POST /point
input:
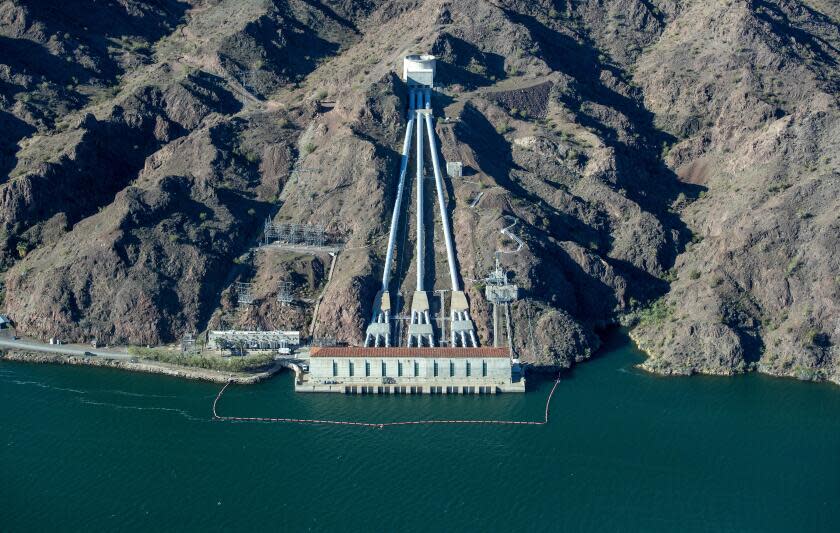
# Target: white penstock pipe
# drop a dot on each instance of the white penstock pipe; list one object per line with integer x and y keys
{"x": 395, "y": 216}
{"x": 444, "y": 217}
{"x": 419, "y": 205}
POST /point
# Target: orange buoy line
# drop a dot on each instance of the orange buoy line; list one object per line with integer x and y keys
{"x": 381, "y": 425}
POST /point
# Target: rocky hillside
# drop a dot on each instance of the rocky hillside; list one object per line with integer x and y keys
{"x": 671, "y": 164}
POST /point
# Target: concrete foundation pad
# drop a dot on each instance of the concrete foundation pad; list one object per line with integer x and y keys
{"x": 462, "y": 329}
{"x": 420, "y": 301}
{"x": 459, "y": 301}
{"x": 420, "y": 331}
{"x": 378, "y": 332}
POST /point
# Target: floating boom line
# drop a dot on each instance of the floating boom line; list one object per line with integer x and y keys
{"x": 382, "y": 425}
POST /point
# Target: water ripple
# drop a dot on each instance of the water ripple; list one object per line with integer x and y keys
{"x": 181, "y": 412}
{"x": 42, "y": 385}
{"x": 137, "y": 394}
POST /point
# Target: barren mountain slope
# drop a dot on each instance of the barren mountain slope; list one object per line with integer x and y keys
{"x": 670, "y": 162}
{"x": 759, "y": 129}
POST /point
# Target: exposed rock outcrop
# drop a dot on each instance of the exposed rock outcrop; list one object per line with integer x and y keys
{"x": 668, "y": 161}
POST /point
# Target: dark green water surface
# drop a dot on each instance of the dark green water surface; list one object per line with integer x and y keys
{"x": 96, "y": 449}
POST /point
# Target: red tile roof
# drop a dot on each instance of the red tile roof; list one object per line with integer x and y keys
{"x": 361, "y": 351}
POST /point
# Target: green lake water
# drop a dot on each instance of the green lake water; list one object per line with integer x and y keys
{"x": 96, "y": 449}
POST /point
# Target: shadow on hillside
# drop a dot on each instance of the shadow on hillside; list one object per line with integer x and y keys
{"x": 151, "y": 20}
{"x": 77, "y": 22}
{"x": 33, "y": 59}
{"x": 12, "y": 130}
{"x": 495, "y": 157}
{"x": 212, "y": 91}
{"x": 640, "y": 172}
{"x": 261, "y": 62}
{"x": 784, "y": 27}
{"x": 332, "y": 14}
{"x": 460, "y": 62}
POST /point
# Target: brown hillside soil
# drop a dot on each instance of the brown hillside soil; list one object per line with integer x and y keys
{"x": 670, "y": 164}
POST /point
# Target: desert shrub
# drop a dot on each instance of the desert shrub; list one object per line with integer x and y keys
{"x": 792, "y": 266}
{"x": 503, "y": 128}
{"x": 209, "y": 362}
{"x": 477, "y": 68}
{"x": 655, "y": 313}
{"x": 670, "y": 275}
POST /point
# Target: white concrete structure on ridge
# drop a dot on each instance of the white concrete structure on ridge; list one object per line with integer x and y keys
{"x": 419, "y": 70}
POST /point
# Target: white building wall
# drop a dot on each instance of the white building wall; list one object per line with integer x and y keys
{"x": 460, "y": 368}
{"x": 498, "y": 370}
{"x": 321, "y": 367}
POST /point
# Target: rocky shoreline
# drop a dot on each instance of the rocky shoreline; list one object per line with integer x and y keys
{"x": 662, "y": 366}
{"x": 200, "y": 374}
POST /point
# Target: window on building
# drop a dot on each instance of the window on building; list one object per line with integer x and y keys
{"x": 350, "y": 368}
{"x": 399, "y": 368}
{"x": 384, "y": 369}
{"x": 468, "y": 369}
{"x": 436, "y": 368}
{"x": 451, "y": 368}
{"x": 367, "y": 368}
{"x": 416, "y": 368}
{"x": 335, "y": 368}
{"x": 484, "y": 368}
